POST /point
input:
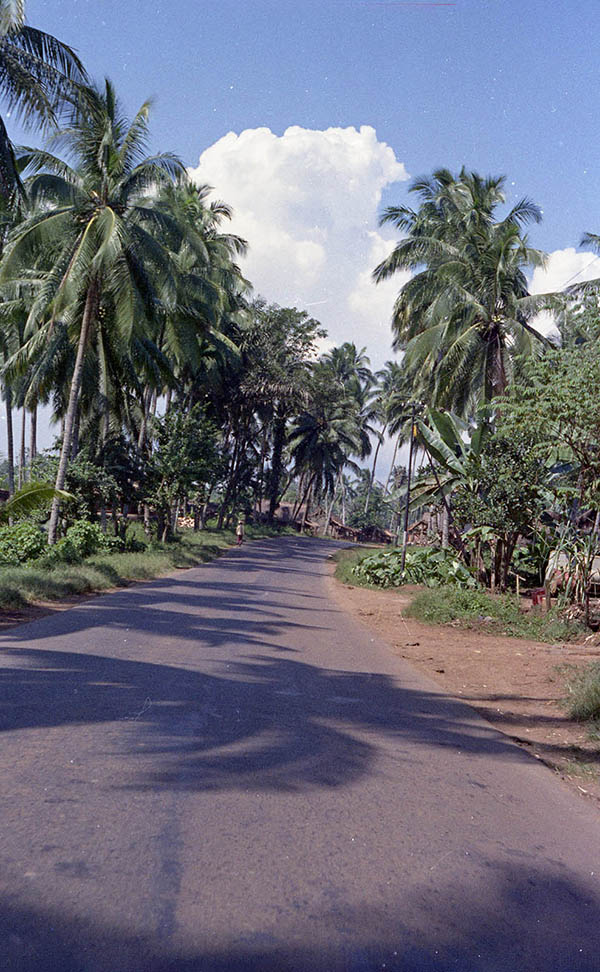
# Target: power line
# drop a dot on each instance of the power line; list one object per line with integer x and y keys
{"x": 583, "y": 269}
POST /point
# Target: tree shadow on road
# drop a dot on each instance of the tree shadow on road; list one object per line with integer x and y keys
{"x": 208, "y": 605}
{"x": 239, "y": 706}
{"x": 525, "y": 919}
{"x": 263, "y": 722}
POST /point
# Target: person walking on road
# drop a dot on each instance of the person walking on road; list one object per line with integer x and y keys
{"x": 239, "y": 531}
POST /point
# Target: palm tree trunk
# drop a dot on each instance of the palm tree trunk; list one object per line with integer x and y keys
{"x": 231, "y": 488}
{"x": 261, "y": 475}
{"x": 32, "y": 434}
{"x": 445, "y": 527}
{"x": 307, "y": 504}
{"x": 304, "y": 498}
{"x": 495, "y": 377}
{"x": 22, "y": 449}
{"x": 75, "y": 433}
{"x": 299, "y": 494}
{"x": 333, "y": 499}
{"x": 88, "y": 313}
{"x": 391, "y": 472}
{"x": 10, "y": 442}
{"x": 146, "y": 404}
{"x": 104, "y": 429}
{"x": 372, "y": 479}
{"x": 141, "y": 444}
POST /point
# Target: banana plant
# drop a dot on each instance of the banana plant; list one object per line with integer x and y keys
{"x": 451, "y": 448}
{"x": 30, "y": 498}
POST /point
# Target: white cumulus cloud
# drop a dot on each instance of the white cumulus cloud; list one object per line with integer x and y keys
{"x": 307, "y": 202}
{"x": 563, "y": 268}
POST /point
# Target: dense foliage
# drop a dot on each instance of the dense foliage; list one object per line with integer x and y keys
{"x": 433, "y": 568}
{"x": 178, "y": 394}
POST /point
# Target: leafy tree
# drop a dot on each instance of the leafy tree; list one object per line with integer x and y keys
{"x": 578, "y": 320}
{"x": 559, "y": 402}
{"x": 197, "y": 328}
{"x": 502, "y": 496}
{"x": 278, "y": 344}
{"x": 377, "y": 513}
{"x": 29, "y": 499}
{"x": 90, "y": 487}
{"x": 186, "y": 458}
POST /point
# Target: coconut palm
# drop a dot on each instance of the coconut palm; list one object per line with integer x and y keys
{"x": 37, "y": 71}
{"x": 98, "y": 228}
{"x": 210, "y": 285}
{"x": 464, "y": 316}
{"x": 322, "y": 440}
{"x": 346, "y": 362}
{"x": 390, "y": 397}
{"x": 332, "y": 429}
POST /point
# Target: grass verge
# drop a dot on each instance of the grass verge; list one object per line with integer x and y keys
{"x": 20, "y": 585}
{"x": 583, "y": 687}
{"x": 492, "y": 613}
{"x": 347, "y": 559}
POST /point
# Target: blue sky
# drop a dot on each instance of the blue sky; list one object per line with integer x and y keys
{"x": 505, "y": 86}
{"x": 308, "y": 117}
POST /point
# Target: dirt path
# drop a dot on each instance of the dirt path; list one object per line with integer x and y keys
{"x": 515, "y": 684}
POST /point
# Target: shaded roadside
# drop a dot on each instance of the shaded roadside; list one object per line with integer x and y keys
{"x": 29, "y": 592}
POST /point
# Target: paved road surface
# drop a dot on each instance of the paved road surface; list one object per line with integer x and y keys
{"x": 220, "y": 770}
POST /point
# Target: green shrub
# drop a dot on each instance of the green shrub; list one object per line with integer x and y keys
{"x": 133, "y": 543}
{"x": 64, "y": 551}
{"x": 423, "y": 565}
{"x": 347, "y": 559}
{"x": 583, "y": 686}
{"x": 86, "y": 537}
{"x": 19, "y": 543}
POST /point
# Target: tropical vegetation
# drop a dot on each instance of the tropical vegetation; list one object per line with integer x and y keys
{"x": 180, "y": 397}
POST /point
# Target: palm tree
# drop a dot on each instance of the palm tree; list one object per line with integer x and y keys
{"x": 329, "y": 431}
{"x": 36, "y": 72}
{"x": 8, "y": 402}
{"x": 210, "y": 284}
{"x": 346, "y": 362}
{"x": 390, "y": 397}
{"x": 322, "y": 440}
{"x": 98, "y": 228}
{"x": 464, "y": 315}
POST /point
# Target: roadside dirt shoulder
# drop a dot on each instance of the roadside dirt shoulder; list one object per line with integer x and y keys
{"x": 515, "y": 684}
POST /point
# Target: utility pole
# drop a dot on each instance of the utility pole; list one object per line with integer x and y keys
{"x": 413, "y": 409}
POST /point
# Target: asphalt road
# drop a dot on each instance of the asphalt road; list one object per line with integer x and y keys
{"x": 220, "y": 770}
